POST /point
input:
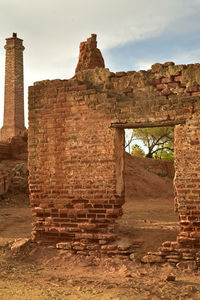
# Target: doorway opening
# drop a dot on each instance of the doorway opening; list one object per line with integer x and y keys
{"x": 149, "y": 218}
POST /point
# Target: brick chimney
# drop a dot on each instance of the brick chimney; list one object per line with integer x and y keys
{"x": 13, "y": 123}
{"x": 90, "y": 56}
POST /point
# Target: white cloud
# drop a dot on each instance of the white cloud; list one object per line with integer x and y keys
{"x": 52, "y": 30}
{"x": 143, "y": 65}
{"x": 187, "y": 57}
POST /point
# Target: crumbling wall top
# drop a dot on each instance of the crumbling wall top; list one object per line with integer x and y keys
{"x": 90, "y": 56}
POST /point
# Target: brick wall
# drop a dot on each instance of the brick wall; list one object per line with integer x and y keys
{"x": 5, "y": 180}
{"x": 18, "y": 147}
{"x": 76, "y": 150}
{"x": 4, "y": 150}
{"x": 187, "y": 180}
{"x": 15, "y": 148}
{"x": 69, "y": 150}
{"x": 162, "y": 81}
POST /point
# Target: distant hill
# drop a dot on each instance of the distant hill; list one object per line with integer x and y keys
{"x": 148, "y": 178}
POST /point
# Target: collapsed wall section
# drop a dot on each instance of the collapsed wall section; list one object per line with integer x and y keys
{"x": 4, "y": 150}
{"x": 90, "y": 56}
{"x": 5, "y": 180}
{"x": 10, "y": 151}
{"x": 15, "y": 148}
{"x": 6, "y": 174}
{"x": 162, "y": 81}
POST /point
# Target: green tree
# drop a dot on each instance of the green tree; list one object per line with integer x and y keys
{"x": 137, "y": 151}
{"x": 129, "y": 138}
{"x": 165, "y": 153}
{"x": 158, "y": 140}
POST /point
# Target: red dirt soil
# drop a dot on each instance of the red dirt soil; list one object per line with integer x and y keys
{"x": 37, "y": 272}
{"x": 149, "y": 208}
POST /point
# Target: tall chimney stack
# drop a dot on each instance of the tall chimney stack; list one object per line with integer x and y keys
{"x": 13, "y": 123}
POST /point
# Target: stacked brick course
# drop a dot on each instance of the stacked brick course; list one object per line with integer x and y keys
{"x": 14, "y": 89}
{"x": 76, "y": 152}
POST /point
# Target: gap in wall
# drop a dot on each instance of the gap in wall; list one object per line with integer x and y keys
{"x": 148, "y": 212}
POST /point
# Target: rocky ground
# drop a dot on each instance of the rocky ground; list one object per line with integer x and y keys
{"x": 36, "y": 272}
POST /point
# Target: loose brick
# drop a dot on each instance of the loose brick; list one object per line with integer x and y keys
{"x": 178, "y": 78}
{"x": 160, "y": 86}
{"x": 166, "y": 80}
{"x": 173, "y": 85}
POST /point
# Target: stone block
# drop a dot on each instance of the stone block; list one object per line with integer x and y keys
{"x": 152, "y": 259}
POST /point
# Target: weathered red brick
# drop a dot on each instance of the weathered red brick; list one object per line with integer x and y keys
{"x": 166, "y": 80}
{"x": 173, "y": 85}
{"x": 76, "y": 157}
{"x": 178, "y": 78}
{"x": 160, "y": 86}
{"x": 120, "y": 74}
{"x": 90, "y": 56}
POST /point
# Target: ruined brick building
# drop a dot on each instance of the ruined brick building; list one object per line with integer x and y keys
{"x": 76, "y": 151}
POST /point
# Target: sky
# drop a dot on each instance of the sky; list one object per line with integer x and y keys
{"x": 131, "y": 34}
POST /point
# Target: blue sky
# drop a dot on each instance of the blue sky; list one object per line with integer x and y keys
{"x": 181, "y": 48}
{"x": 132, "y": 34}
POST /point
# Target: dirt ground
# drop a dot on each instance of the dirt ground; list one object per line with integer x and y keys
{"x": 37, "y": 272}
